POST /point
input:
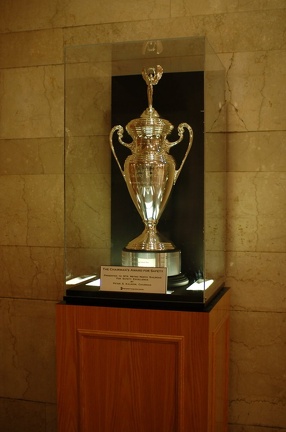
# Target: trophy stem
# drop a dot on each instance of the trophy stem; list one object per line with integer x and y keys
{"x": 150, "y": 240}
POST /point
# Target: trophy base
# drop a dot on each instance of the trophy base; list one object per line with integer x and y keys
{"x": 178, "y": 281}
{"x": 170, "y": 259}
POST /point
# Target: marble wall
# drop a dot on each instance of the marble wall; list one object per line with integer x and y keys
{"x": 250, "y": 39}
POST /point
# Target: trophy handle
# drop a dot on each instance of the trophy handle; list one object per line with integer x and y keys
{"x": 119, "y": 130}
{"x": 181, "y": 135}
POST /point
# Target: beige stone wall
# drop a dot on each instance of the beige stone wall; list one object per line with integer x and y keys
{"x": 250, "y": 39}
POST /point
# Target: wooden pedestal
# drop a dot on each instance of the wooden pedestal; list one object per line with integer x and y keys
{"x": 138, "y": 370}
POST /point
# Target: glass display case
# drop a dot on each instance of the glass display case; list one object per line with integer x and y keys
{"x": 104, "y": 88}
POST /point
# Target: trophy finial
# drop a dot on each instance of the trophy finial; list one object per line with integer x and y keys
{"x": 152, "y": 76}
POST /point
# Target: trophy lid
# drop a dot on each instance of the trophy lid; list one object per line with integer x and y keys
{"x": 150, "y": 124}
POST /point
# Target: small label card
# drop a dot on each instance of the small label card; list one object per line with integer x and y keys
{"x": 134, "y": 279}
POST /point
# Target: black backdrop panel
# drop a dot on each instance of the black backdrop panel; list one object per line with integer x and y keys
{"x": 178, "y": 98}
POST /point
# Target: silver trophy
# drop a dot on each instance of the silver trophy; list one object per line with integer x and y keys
{"x": 150, "y": 173}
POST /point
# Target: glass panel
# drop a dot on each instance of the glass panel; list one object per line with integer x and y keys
{"x": 215, "y": 169}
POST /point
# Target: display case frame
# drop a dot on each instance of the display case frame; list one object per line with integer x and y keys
{"x": 90, "y": 236}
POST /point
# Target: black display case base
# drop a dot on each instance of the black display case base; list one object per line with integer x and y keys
{"x": 179, "y": 299}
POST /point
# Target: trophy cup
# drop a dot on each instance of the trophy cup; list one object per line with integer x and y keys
{"x": 150, "y": 173}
